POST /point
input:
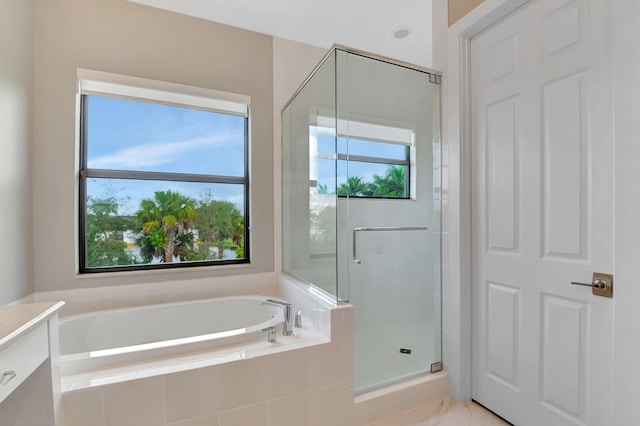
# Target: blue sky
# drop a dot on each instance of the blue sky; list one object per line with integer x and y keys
{"x": 133, "y": 135}
{"x": 330, "y": 174}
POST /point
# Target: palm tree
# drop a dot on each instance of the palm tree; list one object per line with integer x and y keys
{"x": 165, "y": 221}
{"x": 392, "y": 184}
{"x": 353, "y": 187}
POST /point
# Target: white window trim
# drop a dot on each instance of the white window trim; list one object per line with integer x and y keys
{"x": 368, "y": 132}
{"x": 107, "y": 84}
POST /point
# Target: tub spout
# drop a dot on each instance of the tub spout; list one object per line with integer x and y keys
{"x": 286, "y": 329}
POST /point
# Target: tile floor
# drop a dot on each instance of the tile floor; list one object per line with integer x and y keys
{"x": 462, "y": 414}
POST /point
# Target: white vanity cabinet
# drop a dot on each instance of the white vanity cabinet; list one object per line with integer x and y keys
{"x": 29, "y": 379}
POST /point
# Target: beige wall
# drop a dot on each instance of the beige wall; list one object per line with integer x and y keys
{"x": 16, "y": 93}
{"x": 126, "y": 38}
{"x": 459, "y": 8}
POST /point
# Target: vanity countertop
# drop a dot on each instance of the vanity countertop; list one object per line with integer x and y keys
{"x": 16, "y": 320}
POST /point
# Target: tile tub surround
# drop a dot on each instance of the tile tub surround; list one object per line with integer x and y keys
{"x": 303, "y": 380}
{"x": 310, "y": 385}
{"x": 300, "y": 386}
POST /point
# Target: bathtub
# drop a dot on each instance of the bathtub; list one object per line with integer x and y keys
{"x": 104, "y": 339}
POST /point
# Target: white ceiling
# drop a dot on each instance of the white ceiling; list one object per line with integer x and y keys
{"x": 361, "y": 24}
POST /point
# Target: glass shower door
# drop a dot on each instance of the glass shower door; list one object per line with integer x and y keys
{"x": 394, "y": 311}
{"x": 388, "y": 180}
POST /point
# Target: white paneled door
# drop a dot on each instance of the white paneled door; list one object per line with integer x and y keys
{"x": 542, "y": 214}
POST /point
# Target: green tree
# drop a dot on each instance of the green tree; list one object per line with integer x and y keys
{"x": 220, "y": 224}
{"x": 322, "y": 189}
{"x": 392, "y": 184}
{"x": 239, "y": 251}
{"x": 165, "y": 221}
{"x": 355, "y": 186}
{"x": 104, "y": 233}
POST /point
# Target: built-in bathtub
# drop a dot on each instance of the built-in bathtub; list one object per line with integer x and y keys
{"x": 218, "y": 380}
{"x": 103, "y": 339}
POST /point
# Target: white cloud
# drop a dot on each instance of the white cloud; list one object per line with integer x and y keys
{"x": 153, "y": 154}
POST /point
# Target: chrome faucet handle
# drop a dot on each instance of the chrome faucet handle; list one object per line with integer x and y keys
{"x": 286, "y": 327}
{"x": 298, "y": 323}
{"x": 271, "y": 336}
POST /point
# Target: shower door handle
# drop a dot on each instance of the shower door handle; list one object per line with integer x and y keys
{"x": 377, "y": 229}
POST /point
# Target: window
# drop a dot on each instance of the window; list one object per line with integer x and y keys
{"x": 163, "y": 176}
{"x": 373, "y": 162}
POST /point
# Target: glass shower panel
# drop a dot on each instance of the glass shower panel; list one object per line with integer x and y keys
{"x": 309, "y": 181}
{"x": 389, "y": 217}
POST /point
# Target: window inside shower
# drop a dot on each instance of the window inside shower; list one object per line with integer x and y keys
{"x": 368, "y": 166}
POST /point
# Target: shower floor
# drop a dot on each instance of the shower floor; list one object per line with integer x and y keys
{"x": 377, "y": 358}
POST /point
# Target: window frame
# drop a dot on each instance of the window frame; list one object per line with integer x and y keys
{"x": 368, "y": 132}
{"x": 157, "y": 90}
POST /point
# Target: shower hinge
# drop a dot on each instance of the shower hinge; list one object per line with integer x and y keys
{"x": 436, "y": 366}
{"x": 434, "y": 78}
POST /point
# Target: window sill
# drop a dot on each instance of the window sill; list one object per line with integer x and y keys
{"x": 163, "y": 271}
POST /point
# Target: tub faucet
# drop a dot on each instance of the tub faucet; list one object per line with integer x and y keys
{"x": 286, "y": 329}
{"x": 271, "y": 336}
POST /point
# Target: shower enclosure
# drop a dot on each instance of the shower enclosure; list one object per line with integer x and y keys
{"x": 361, "y": 206}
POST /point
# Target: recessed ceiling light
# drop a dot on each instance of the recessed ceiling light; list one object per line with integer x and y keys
{"x": 402, "y": 32}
